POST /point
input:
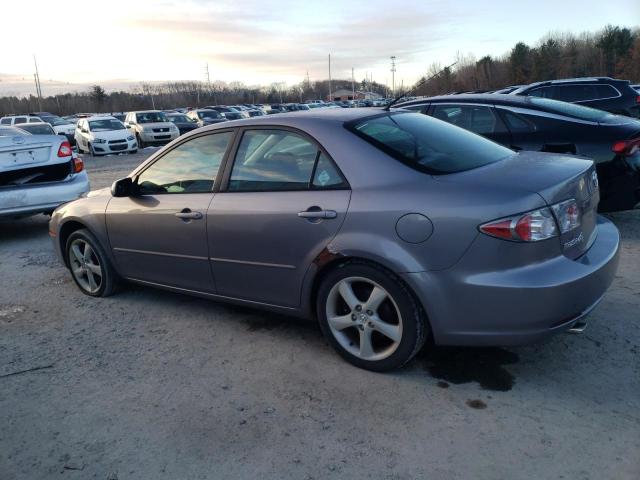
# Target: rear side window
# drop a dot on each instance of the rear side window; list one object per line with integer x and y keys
{"x": 575, "y": 93}
{"x": 606, "y": 91}
{"x": 427, "y": 144}
{"x": 279, "y": 160}
{"x": 543, "y": 92}
{"x": 18, "y": 120}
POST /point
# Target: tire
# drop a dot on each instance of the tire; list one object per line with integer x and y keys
{"x": 133, "y": 151}
{"x": 104, "y": 283}
{"x": 353, "y": 319}
{"x": 79, "y": 147}
{"x": 139, "y": 141}
{"x": 91, "y": 152}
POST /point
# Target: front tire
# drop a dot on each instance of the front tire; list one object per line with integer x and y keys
{"x": 89, "y": 265}
{"x": 370, "y": 317}
{"x": 139, "y": 141}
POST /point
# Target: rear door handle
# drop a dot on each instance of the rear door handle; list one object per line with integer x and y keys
{"x": 318, "y": 214}
{"x": 187, "y": 214}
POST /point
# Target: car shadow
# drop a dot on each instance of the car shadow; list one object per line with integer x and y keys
{"x": 26, "y": 228}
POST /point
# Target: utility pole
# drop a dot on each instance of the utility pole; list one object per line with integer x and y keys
{"x": 38, "y": 87}
{"x": 330, "y": 96}
{"x": 353, "y": 86}
{"x": 210, "y": 90}
{"x": 393, "y": 75}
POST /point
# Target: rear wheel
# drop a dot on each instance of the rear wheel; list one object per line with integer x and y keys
{"x": 370, "y": 317}
{"x": 89, "y": 265}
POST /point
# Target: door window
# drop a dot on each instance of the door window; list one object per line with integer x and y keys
{"x": 279, "y": 160}
{"x": 478, "y": 119}
{"x": 5, "y": 121}
{"x": 543, "y": 92}
{"x": 575, "y": 93}
{"x": 20, "y": 120}
{"x": 189, "y": 168}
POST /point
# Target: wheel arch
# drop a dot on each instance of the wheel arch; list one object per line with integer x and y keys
{"x": 328, "y": 261}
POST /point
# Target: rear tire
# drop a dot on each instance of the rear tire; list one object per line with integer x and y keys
{"x": 89, "y": 265}
{"x": 370, "y": 317}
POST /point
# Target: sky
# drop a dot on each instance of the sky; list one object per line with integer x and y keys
{"x": 119, "y": 43}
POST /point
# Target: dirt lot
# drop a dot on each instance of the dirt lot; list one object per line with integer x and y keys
{"x": 153, "y": 385}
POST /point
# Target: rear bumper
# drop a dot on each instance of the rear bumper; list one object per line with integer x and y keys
{"x": 33, "y": 199}
{"x": 521, "y": 305}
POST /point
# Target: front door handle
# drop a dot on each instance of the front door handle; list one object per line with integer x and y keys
{"x": 318, "y": 214}
{"x": 187, "y": 214}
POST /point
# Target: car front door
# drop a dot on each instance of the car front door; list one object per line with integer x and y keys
{"x": 159, "y": 235}
{"x": 282, "y": 201}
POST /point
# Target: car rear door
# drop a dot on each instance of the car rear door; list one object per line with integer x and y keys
{"x": 160, "y": 234}
{"x": 283, "y": 200}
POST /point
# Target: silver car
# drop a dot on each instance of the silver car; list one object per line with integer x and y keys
{"x": 37, "y": 172}
{"x": 388, "y": 227}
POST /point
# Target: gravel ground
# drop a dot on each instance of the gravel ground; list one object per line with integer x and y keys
{"x": 152, "y": 385}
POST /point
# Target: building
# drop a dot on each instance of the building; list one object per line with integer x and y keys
{"x": 345, "y": 94}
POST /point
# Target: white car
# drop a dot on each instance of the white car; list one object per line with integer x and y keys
{"x": 60, "y": 125}
{"x": 151, "y": 127}
{"x": 101, "y": 135}
{"x": 37, "y": 173}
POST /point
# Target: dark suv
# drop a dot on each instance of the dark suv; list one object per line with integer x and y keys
{"x": 604, "y": 93}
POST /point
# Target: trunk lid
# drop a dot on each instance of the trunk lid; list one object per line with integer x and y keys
{"x": 24, "y": 151}
{"x": 555, "y": 178}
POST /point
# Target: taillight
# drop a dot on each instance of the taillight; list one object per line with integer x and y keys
{"x": 65, "y": 150}
{"x": 638, "y": 99}
{"x": 78, "y": 165}
{"x": 536, "y": 225}
{"x": 528, "y": 227}
{"x": 626, "y": 147}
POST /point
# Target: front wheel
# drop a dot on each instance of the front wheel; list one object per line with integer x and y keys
{"x": 370, "y": 317}
{"x": 89, "y": 265}
{"x": 140, "y": 142}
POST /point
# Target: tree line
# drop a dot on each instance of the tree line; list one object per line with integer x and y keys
{"x": 613, "y": 51}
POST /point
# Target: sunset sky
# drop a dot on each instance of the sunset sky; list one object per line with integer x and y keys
{"x": 118, "y": 42}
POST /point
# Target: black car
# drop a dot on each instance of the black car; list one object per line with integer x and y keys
{"x": 184, "y": 123}
{"x": 206, "y": 116}
{"x": 540, "y": 124}
{"x": 615, "y": 96}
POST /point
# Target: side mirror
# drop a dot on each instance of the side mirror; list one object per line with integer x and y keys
{"x": 123, "y": 188}
{"x": 84, "y": 130}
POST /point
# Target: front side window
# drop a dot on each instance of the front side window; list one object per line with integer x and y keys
{"x": 278, "y": 160}
{"x": 427, "y": 144}
{"x": 191, "y": 167}
{"x": 478, "y": 119}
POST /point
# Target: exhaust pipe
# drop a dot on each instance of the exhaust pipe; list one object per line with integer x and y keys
{"x": 578, "y": 327}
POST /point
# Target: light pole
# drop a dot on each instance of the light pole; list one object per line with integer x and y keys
{"x": 393, "y": 75}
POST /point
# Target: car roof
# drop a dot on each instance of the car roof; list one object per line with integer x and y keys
{"x": 486, "y": 98}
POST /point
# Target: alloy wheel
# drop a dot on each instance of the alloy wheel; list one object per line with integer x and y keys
{"x": 85, "y": 265}
{"x": 364, "y": 318}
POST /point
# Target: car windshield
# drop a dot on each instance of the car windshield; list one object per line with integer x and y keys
{"x": 428, "y": 144}
{"x": 38, "y": 129}
{"x": 105, "y": 125}
{"x": 180, "y": 119}
{"x": 577, "y": 111}
{"x": 151, "y": 117}
{"x": 11, "y": 131}
{"x": 209, "y": 114}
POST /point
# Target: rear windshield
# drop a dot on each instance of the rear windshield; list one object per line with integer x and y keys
{"x": 210, "y": 114}
{"x": 577, "y": 111}
{"x": 428, "y": 144}
{"x": 41, "y": 129}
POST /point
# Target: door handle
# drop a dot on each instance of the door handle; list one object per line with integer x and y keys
{"x": 318, "y": 214}
{"x": 187, "y": 214}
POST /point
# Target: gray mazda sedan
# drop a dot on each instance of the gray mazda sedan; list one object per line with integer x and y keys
{"x": 389, "y": 227}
